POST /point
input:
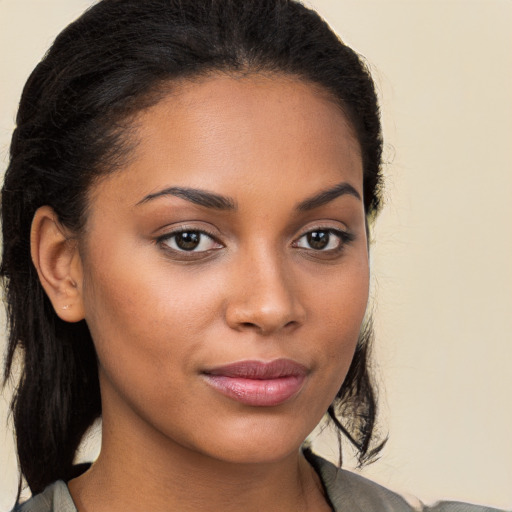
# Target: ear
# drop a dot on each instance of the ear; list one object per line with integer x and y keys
{"x": 59, "y": 266}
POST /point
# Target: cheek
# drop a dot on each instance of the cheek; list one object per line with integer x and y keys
{"x": 142, "y": 332}
{"x": 337, "y": 312}
{"x": 340, "y": 305}
{"x": 145, "y": 316}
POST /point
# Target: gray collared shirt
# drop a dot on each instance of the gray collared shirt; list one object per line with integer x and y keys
{"x": 347, "y": 492}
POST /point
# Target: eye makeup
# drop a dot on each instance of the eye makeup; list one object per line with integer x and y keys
{"x": 191, "y": 243}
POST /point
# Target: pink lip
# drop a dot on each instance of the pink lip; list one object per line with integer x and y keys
{"x": 258, "y": 383}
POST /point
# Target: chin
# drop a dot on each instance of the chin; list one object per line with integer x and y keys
{"x": 258, "y": 443}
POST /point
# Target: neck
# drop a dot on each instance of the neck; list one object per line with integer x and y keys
{"x": 139, "y": 465}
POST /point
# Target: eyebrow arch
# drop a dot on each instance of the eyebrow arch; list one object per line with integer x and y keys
{"x": 196, "y": 196}
{"x": 325, "y": 196}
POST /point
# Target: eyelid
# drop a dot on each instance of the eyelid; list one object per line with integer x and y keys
{"x": 187, "y": 225}
{"x": 191, "y": 225}
{"x": 332, "y": 226}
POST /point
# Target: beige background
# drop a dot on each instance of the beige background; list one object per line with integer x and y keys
{"x": 442, "y": 259}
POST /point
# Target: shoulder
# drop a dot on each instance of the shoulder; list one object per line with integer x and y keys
{"x": 350, "y": 492}
{"x": 55, "y": 498}
{"x": 455, "y": 506}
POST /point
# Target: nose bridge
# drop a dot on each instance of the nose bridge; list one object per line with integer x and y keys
{"x": 264, "y": 296}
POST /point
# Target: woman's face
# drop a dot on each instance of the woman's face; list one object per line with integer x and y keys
{"x": 225, "y": 269}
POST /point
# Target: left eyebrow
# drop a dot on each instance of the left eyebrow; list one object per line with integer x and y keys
{"x": 328, "y": 195}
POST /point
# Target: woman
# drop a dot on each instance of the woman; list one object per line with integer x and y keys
{"x": 187, "y": 204}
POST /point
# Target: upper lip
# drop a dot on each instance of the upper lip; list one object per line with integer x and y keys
{"x": 260, "y": 370}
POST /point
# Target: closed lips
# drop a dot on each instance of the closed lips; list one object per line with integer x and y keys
{"x": 257, "y": 383}
{"x": 260, "y": 370}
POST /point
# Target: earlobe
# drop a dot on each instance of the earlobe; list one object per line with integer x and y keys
{"x": 59, "y": 267}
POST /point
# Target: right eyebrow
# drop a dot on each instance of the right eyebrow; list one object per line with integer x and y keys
{"x": 196, "y": 196}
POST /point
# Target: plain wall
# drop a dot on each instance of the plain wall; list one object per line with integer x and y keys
{"x": 441, "y": 261}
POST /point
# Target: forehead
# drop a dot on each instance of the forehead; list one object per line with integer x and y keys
{"x": 242, "y": 132}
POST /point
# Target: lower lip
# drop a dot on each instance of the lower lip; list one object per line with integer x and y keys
{"x": 255, "y": 392}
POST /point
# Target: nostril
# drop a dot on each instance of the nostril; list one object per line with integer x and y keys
{"x": 249, "y": 325}
{"x": 267, "y": 329}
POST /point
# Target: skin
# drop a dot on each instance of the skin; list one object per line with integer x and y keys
{"x": 254, "y": 289}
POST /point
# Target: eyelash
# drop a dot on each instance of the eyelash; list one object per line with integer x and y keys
{"x": 344, "y": 238}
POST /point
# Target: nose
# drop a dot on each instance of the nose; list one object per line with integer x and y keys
{"x": 264, "y": 296}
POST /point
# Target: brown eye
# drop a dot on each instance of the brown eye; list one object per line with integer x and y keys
{"x": 318, "y": 239}
{"x": 189, "y": 241}
{"x": 324, "y": 240}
